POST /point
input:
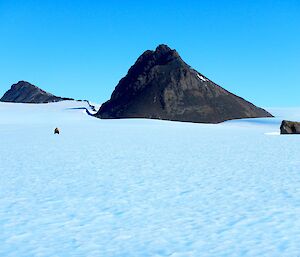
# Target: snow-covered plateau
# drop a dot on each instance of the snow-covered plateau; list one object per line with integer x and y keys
{"x": 137, "y": 187}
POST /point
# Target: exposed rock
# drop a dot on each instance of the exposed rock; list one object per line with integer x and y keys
{"x": 290, "y": 127}
{"x": 160, "y": 85}
{"x": 92, "y": 107}
{"x": 24, "y": 92}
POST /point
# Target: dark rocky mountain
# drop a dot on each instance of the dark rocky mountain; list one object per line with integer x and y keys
{"x": 289, "y": 127}
{"x": 24, "y": 92}
{"x": 160, "y": 85}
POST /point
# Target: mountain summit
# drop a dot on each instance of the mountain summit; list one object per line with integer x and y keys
{"x": 24, "y": 92}
{"x": 160, "y": 85}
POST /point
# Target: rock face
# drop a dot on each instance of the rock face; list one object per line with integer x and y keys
{"x": 290, "y": 127}
{"x": 24, "y": 92}
{"x": 160, "y": 85}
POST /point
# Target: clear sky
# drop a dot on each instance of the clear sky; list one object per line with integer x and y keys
{"x": 81, "y": 49}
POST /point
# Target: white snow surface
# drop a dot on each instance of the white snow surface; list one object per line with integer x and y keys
{"x": 137, "y": 187}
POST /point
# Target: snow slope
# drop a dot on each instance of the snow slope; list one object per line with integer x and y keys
{"x": 145, "y": 187}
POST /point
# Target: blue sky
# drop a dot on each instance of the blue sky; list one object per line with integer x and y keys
{"x": 81, "y": 49}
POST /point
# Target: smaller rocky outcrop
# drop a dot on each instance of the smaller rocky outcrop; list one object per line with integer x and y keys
{"x": 289, "y": 127}
{"x": 24, "y": 92}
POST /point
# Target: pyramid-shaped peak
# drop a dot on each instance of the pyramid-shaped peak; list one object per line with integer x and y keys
{"x": 160, "y": 85}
